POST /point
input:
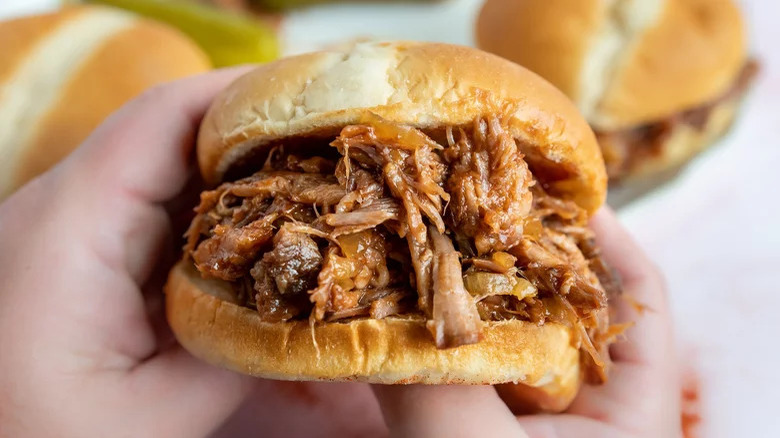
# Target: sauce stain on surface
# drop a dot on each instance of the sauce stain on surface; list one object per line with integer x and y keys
{"x": 691, "y": 405}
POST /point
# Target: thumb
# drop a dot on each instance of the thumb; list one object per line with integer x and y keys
{"x": 566, "y": 425}
{"x": 203, "y": 396}
{"x": 445, "y": 411}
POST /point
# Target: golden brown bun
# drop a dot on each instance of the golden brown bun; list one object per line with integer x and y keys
{"x": 207, "y": 323}
{"x": 66, "y": 71}
{"x": 627, "y": 64}
{"x": 524, "y": 400}
{"x": 424, "y": 85}
{"x": 545, "y": 36}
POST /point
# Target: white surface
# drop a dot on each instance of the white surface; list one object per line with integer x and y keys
{"x": 714, "y": 232}
{"x": 9, "y": 8}
{"x": 312, "y": 28}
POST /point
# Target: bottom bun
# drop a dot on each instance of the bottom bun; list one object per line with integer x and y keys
{"x": 207, "y": 322}
{"x": 675, "y": 150}
{"x": 525, "y": 400}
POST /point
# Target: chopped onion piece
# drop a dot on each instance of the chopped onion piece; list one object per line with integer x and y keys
{"x": 484, "y": 284}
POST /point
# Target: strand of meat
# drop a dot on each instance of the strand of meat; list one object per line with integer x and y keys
{"x": 414, "y": 173}
{"x": 455, "y": 319}
{"x": 389, "y": 182}
{"x": 489, "y": 185}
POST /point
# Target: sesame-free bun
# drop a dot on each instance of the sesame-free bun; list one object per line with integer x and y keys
{"x": 62, "y": 73}
{"x": 428, "y": 86}
{"x": 624, "y": 63}
{"x": 207, "y": 321}
{"x": 425, "y": 85}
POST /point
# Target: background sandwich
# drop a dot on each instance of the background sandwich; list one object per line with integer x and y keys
{"x": 62, "y": 73}
{"x": 658, "y": 80}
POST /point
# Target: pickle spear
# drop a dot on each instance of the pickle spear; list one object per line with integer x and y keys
{"x": 287, "y": 4}
{"x": 228, "y": 38}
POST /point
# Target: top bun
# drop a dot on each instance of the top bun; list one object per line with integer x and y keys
{"x": 624, "y": 63}
{"x": 424, "y": 85}
{"x": 62, "y": 73}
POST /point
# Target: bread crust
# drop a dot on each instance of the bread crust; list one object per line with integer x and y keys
{"x": 676, "y": 149}
{"x": 690, "y": 53}
{"x": 424, "y": 85}
{"x": 18, "y": 36}
{"x": 102, "y": 74}
{"x": 549, "y": 37}
{"x": 209, "y": 324}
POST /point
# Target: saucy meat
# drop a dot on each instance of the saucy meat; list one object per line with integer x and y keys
{"x": 456, "y": 232}
{"x": 294, "y": 262}
{"x": 625, "y": 149}
{"x": 455, "y": 318}
{"x": 489, "y": 184}
{"x": 413, "y": 173}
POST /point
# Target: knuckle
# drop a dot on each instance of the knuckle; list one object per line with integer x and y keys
{"x": 153, "y": 95}
{"x": 646, "y": 274}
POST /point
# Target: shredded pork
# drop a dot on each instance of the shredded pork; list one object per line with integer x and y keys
{"x": 455, "y": 318}
{"x": 455, "y": 231}
{"x": 489, "y": 184}
{"x": 626, "y": 149}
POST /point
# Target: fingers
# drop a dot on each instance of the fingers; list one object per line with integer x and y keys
{"x": 642, "y": 392}
{"x": 196, "y": 397}
{"x": 477, "y": 411}
{"x": 445, "y": 411}
{"x": 636, "y": 398}
{"x": 139, "y": 158}
{"x": 564, "y": 426}
{"x": 330, "y": 409}
{"x": 650, "y": 340}
{"x": 144, "y": 149}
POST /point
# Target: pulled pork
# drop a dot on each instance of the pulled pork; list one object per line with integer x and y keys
{"x": 626, "y": 149}
{"x": 489, "y": 184}
{"x": 455, "y": 318}
{"x": 456, "y": 232}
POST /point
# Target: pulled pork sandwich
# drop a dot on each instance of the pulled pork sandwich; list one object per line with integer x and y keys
{"x": 658, "y": 80}
{"x": 397, "y": 213}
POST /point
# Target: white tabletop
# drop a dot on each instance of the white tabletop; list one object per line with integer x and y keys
{"x": 715, "y": 232}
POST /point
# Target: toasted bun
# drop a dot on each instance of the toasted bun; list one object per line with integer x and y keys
{"x": 623, "y": 63}
{"x": 208, "y": 323}
{"x": 428, "y": 86}
{"x": 62, "y": 73}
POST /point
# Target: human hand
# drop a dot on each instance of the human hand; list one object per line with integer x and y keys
{"x": 85, "y": 353}
{"x": 83, "y": 347}
{"x": 641, "y": 398}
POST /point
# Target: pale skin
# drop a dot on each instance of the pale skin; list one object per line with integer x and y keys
{"x": 85, "y": 352}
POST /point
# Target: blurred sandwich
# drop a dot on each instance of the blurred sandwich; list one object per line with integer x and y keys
{"x": 279, "y": 5}
{"x": 62, "y": 73}
{"x": 658, "y": 80}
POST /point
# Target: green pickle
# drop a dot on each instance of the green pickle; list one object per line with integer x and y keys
{"x": 288, "y": 4}
{"x": 227, "y": 38}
